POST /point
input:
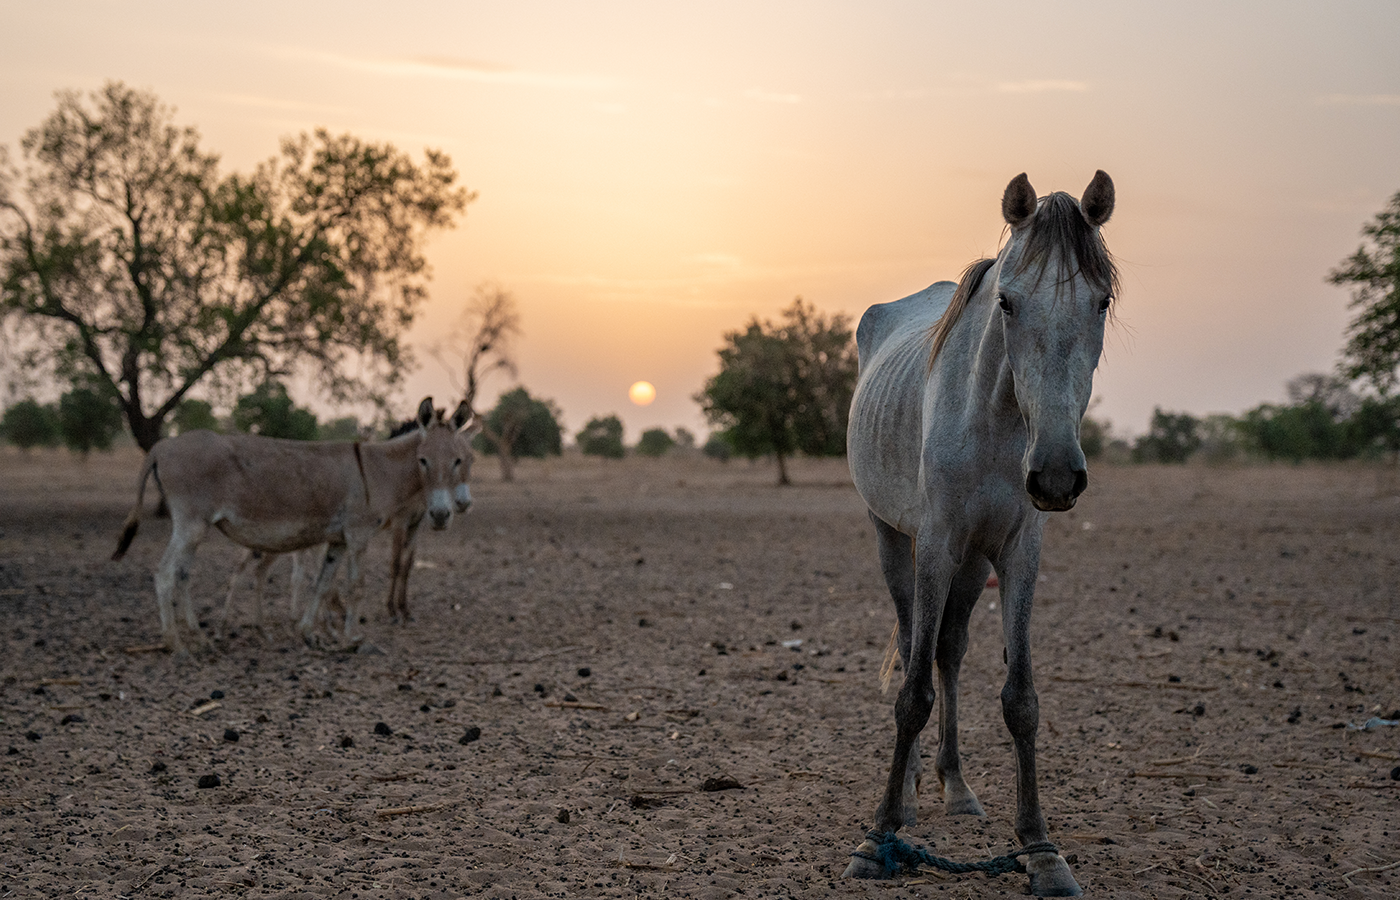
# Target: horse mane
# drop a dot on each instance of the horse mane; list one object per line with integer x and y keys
{"x": 968, "y": 284}
{"x": 1059, "y": 224}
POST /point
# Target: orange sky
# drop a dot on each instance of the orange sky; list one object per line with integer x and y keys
{"x": 652, "y": 174}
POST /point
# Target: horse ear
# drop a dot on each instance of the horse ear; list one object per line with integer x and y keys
{"x": 462, "y": 416}
{"x": 1097, "y": 201}
{"x": 1018, "y": 203}
{"x": 425, "y": 413}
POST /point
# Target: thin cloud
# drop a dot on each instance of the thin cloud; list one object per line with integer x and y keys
{"x": 763, "y": 96}
{"x": 279, "y": 103}
{"x": 1042, "y": 87}
{"x": 1359, "y": 100}
{"x": 451, "y": 69}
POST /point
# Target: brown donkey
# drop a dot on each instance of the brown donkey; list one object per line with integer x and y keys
{"x": 277, "y": 496}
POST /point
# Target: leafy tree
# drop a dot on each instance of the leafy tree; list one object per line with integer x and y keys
{"x": 346, "y": 428}
{"x": 1094, "y": 435}
{"x": 270, "y": 412}
{"x": 88, "y": 419}
{"x": 132, "y": 261}
{"x": 602, "y": 436}
{"x": 1373, "y": 337}
{"x": 27, "y": 424}
{"x": 521, "y": 426}
{"x": 1171, "y": 438}
{"x": 716, "y": 447}
{"x": 194, "y": 414}
{"x": 785, "y": 388}
{"x": 685, "y": 438}
{"x": 655, "y": 442}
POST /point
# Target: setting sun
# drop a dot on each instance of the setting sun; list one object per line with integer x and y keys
{"x": 642, "y": 393}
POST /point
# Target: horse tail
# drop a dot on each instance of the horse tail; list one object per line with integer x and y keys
{"x": 887, "y": 664}
{"x": 133, "y": 518}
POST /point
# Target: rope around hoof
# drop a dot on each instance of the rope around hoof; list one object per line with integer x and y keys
{"x": 897, "y": 856}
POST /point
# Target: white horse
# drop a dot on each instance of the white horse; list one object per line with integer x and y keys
{"x": 963, "y": 437}
{"x": 277, "y": 496}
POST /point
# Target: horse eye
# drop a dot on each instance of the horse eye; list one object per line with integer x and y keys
{"x": 458, "y": 462}
{"x": 1104, "y": 304}
{"x": 423, "y": 461}
{"x": 1005, "y": 304}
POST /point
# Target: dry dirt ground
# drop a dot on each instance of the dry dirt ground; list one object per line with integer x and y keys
{"x": 597, "y": 640}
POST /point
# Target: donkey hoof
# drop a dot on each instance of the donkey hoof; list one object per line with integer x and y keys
{"x": 864, "y": 863}
{"x": 1051, "y": 877}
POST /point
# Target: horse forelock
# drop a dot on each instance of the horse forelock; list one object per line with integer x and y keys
{"x": 1059, "y": 230}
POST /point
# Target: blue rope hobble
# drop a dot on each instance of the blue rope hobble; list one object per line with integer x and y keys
{"x": 897, "y": 856}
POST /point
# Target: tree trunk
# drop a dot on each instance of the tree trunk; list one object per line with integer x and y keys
{"x": 503, "y": 445}
{"x": 507, "y": 463}
{"x": 782, "y": 471}
{"x": 146, "y": 431}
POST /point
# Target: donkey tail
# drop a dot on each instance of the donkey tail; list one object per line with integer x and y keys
{"x": 133, "y": 518}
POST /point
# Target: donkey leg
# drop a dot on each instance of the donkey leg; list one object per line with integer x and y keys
{"x": 222, "y": 628}
{"x": 312, "y": 612}
{"x": 265, "y": 561}
{"x": 354, "y": 590}
{"x": 405, "y": 544}
{"x": 173, "y": 584}
{"x": 952, "y": 646}
{"x": 1020, "y": 708}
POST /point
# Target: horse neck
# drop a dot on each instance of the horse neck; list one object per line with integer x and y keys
{"x": 974, "y": 357}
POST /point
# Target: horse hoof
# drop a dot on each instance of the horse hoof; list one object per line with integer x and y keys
{"x": 965, "y": 806}
{"x": 864, "y": 863}
{"x": 1051, "y": 877}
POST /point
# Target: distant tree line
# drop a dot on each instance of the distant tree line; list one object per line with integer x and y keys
{"x": 1324, "y": 419}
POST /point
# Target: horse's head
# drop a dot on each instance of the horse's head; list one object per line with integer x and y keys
{"x": 444, "y": 462}
{"x": 1054, "y": 284}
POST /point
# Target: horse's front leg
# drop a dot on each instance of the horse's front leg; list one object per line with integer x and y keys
{"x": 932, "y": 573}
{"x": 1020, "y": 709}
{"x": 967, "y": 587}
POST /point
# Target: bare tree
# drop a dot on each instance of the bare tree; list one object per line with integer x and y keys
{"x": 482, "y": 341}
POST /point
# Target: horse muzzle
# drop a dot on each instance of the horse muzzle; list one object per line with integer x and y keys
{"x": 1057, "y": 489}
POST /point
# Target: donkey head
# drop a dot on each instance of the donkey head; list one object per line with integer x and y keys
{"x": 444, "y": 461}
{"x": 1055, "y": 286}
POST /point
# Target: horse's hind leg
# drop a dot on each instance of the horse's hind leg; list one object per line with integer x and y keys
{"x": 952, "y": 645}
{"x": 896, "y": 552}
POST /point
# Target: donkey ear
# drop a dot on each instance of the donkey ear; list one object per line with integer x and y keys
{"x": 1018, "y": 203}
{"x": 1097, "y": 201}
{"x": 425, "y": 413}
{"x": 462, "y": 416}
